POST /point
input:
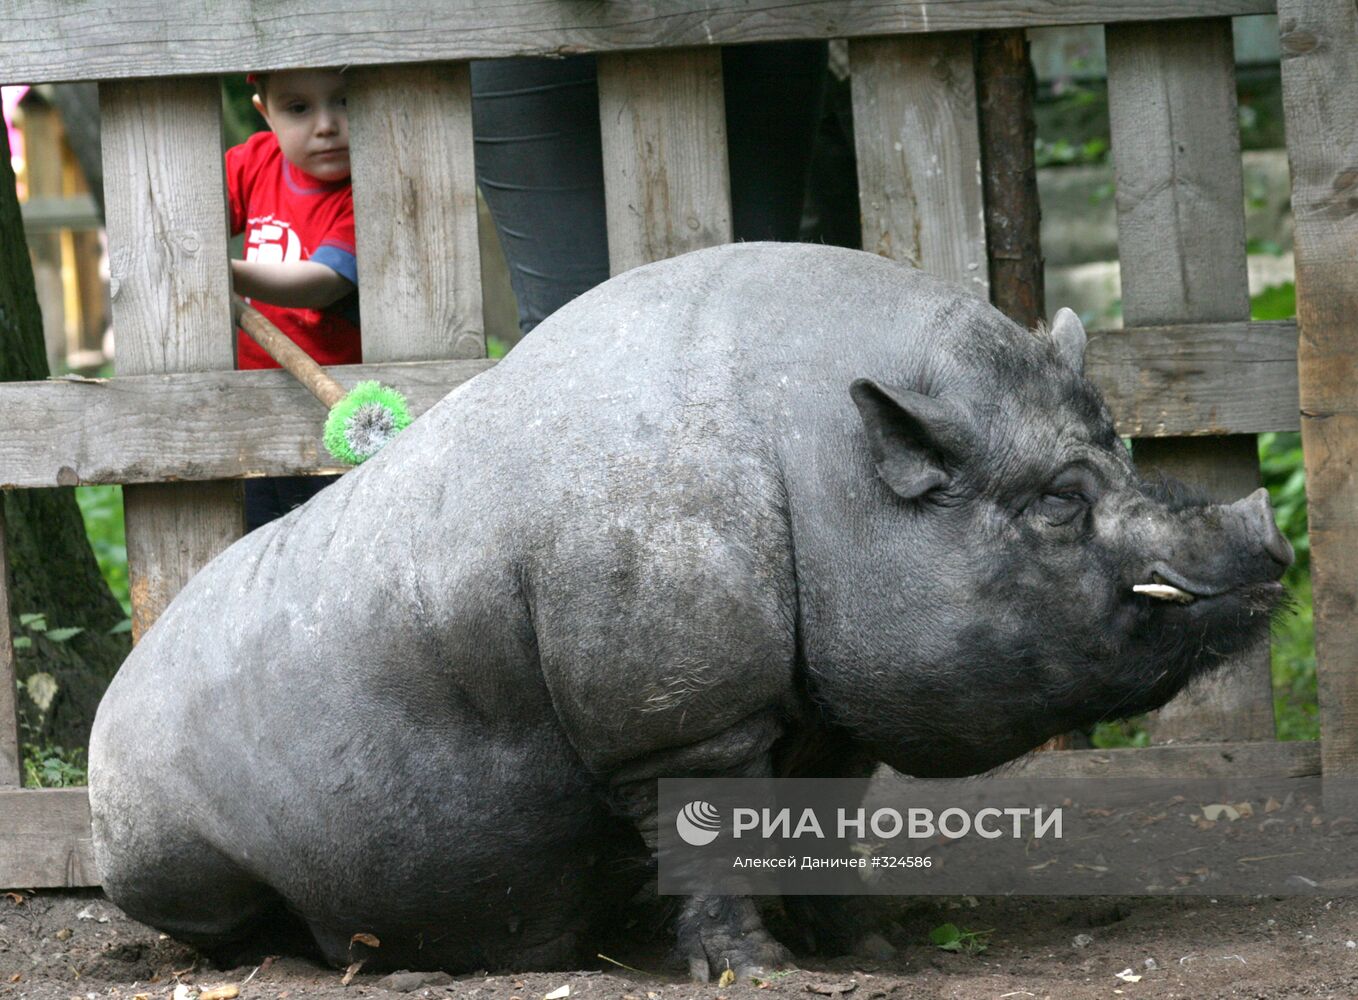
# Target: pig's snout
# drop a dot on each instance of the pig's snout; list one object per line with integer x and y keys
{"x": 1195, "y": 565}
{"x": 1256, "y": 514}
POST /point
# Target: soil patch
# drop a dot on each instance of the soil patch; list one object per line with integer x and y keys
{"x": 77, "y": 946}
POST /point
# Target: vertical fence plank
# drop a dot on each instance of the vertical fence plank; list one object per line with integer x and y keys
{"x": 1181, "y": 243}
{"x": 919, "y": 154}
{"x": 667, "y": 187}
{"x": 1320, "y": 97}
{"x": 10, "y": 770}
{"x": 1006, "y": 88}
{"x": 166, "y": 215}
{"x": 419, "y": 262}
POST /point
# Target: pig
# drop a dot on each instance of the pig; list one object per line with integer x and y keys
{"x": 762, "y": 509}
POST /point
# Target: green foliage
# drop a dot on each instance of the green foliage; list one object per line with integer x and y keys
{"x": 496, "y": 348}
{"x": 1278, "y": 302}
{"x": 102, "y": 509}
{"x": 950, "y": 937}
{"x": 1073, "y": 124}
{"x": 1120, "y": 733}
{"x": 53, "y": 767}
{"x": 1295, "y": 707}
{"x": 1064, "y": 153}
{"x": 36, "y": 623}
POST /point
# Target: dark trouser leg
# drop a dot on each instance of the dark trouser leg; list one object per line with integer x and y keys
{"x": 774, "y": 97}
{"x": 269, "y": 499}
{"x": 540, "y": 166}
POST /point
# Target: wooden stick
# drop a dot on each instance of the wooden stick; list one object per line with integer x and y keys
{"x": 1005, "y": 86}
{"x": 281, "y": 348}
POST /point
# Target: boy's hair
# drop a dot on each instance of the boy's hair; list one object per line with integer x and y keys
{"x": 260, "y": 81}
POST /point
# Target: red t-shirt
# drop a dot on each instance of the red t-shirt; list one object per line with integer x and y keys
{"x": 289, "y": 215}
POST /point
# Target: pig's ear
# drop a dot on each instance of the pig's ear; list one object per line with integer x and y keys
{"x": 913, "y": 437}
{"x": 1068, "y": 333}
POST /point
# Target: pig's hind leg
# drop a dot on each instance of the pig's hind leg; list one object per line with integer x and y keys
{"x": 186, "y": 888}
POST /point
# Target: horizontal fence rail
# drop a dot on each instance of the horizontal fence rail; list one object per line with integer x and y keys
{"x": 1197, "y": 379}
{"x": 49, "y": 830}
{"x": 187, "y": 426}
{"x": 47, "y": 41}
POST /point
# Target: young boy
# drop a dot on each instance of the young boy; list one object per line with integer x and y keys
{"x": 290, "y": 194}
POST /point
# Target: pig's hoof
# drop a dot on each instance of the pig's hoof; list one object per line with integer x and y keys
{"x": 718, "y": 933}
{"x": 875, "y": 947}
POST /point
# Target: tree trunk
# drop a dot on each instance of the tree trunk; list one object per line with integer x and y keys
{"x": 51, "y": 569}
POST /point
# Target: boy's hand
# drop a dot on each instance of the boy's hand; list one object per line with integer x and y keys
{"x": 301, "y": 284}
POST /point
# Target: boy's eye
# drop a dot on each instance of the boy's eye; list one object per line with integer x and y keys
{"x": 297, "y": 109}
{"x": 344, "y": 102}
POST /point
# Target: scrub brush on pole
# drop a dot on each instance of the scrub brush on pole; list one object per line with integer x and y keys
{"x": 362, "y": 419}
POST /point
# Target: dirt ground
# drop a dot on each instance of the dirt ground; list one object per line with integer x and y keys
{"x": 77, "y": 946}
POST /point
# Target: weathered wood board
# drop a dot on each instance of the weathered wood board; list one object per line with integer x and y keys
{"x": 1320, "y": 97}
{"x": 1181, "y": 243}
{"x": 191, "y": 426}
{"x": 51, "y": 40}
{"x": 45, "y": 839}
{"x": 919, "y": 154}
{"x": 662, "y": 121}
{"x": 1263, "y": 759}
{"x": 170, "y": 283}
{"x": 1198, "y": 378}
{"x": 419, "y": 265}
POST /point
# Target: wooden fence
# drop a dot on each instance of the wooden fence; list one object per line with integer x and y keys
{"x": 1192, "y": 376}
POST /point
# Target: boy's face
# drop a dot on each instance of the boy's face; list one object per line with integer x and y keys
{"x": 306, "y": 110}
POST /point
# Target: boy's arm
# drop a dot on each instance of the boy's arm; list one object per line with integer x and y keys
{"x": 301, "y": 284}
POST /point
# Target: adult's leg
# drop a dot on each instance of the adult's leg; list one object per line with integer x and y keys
{"x": 539, "y": 163}
{"x": 539, "y": 160}
{"x": 774, "y": 97}
{"x": 270, "y": 498}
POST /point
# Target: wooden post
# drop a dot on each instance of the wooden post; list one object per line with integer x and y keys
{"x": 10, "y": 770}
{"x": 667, "y": 188}
{"x": 419, "y": 261}
{"x": 1005, "y": 85}
{"x": 166, "y": 209}
{"x": 1181, "y": 242}
{"x": 919, "y": 154}
{"x": 1320, "y": 96}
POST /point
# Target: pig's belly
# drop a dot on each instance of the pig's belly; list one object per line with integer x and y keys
{"x": 502, "y": 853}
{"x": 457, "y": 848}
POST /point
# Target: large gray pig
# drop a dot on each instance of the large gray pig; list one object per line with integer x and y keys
{"x": 761, "y": 509}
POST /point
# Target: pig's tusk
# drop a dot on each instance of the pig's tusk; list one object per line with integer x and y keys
{"x": 1164, "y": 592}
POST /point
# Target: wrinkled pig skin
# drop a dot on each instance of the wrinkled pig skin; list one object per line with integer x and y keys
{"x": 759, "y": 509}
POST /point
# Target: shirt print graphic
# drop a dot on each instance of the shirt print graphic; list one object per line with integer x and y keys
{"x": 272, "y": 242}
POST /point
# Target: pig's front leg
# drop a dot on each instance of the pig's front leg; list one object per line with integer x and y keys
{"x": 714, "y": 933}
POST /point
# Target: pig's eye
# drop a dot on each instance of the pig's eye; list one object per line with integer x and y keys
{"x": 1061, "y": 507}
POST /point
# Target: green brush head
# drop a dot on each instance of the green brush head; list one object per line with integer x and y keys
{"x": 363, "y": 421}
